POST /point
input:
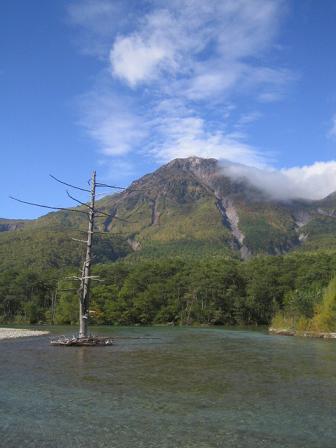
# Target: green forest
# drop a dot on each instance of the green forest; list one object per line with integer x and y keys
{"x": 214, "y": 290}
{"x": 171, "y": 257}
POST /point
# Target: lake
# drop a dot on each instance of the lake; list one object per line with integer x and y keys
{"x": 186, "y": 387}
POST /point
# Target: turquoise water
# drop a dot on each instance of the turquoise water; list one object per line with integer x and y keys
{"x": 189, "y": 388}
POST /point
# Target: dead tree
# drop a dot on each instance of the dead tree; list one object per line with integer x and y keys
{"x": 85, "y": 278}
{"x": 84, "y": 301}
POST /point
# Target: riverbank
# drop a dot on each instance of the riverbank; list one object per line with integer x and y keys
{"x": 10, "y": 333}
{"x": 307, "y": 334}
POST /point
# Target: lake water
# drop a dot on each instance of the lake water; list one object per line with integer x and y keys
{"x": 189, "y": 388}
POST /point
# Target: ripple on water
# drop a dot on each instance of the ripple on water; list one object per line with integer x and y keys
{"x": 190, "y": 388}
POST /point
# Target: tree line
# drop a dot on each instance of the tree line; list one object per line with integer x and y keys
{"x": 181, "y": 291}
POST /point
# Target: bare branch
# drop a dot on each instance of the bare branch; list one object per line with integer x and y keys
{"x": 77, "y": 200}
{"x": 69, "y": 185}
{"x": 80, "y": 241}
{"x": 96, "y": 210}
{"x": 114, "y": 187}
{"x": 47, "y": 206}
{"x": 91, "y": 277}
{"x": 99, "y": 184}
{"x": 96, "y": 232}
{"x": 109, "y": 233}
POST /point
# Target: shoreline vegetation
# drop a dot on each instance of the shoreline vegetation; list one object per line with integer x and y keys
{"x": 289, "y": 293}
{"x": 12, "y": 333}
{"x": 315, "y": 319}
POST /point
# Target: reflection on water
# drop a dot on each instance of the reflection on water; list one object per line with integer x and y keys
{"x": 190, "y": 388}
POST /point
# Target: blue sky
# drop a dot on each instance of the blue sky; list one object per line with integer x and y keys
{"x": 124, "y": 86}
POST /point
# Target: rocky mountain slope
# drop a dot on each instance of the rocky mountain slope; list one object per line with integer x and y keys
{"x": 189, "y": 206}
{"x": 12, "y": 224}
{"x": 192, "y": 203}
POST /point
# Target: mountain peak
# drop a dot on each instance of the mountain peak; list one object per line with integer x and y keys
{"x": 192, "y": 205}
{"x": 193, "y": 163}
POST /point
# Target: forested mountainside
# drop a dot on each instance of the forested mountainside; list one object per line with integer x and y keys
{"x": 178, "y": 257}
{"x": 186, "y": 207}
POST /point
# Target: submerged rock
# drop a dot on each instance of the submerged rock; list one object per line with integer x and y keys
{"x": 307, "y": 334}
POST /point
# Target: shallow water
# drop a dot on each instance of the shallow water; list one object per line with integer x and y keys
{"x": 189, "y": 388}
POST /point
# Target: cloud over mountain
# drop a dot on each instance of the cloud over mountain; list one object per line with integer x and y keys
{"x": 310, "y": 182}
{"x": 176, "y": 75}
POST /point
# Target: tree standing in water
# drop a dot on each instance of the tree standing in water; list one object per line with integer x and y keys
{"x": 85, "y": 277}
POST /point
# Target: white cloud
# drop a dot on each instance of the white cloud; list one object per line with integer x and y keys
{"x": 116, "y": 134}
{"x": 246, "y": 119}
{"x": 108, "y": 119}
{"x": 314, "y": 181}
{"x": 188, "y": 136}
{"x": 152, "y": 50}
{"x": 136, "y": 60}
{"x": 182, "y": 62}
{"x": 210, "y": 82}
{"x": 205, "y": 43}
{"x": 176, "y": 70}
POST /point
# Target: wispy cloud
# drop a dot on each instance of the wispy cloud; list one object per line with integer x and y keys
{"x": 314, "y": 181}
{"x": 97, "y": 23}
{"x": 206, "y": 46}
{"x": 112, "y": 121}
{"x": 94, "y": 15}
{"x": 332, "y": 130}
{"x": 188, "y": 135}
{"x": 177, "y": 69}
{"x": 119, "y": 170}
{"x": 146, "y": 55}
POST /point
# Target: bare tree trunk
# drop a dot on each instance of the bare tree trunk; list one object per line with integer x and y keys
{"x": 53, "y": 304}
{"x": 84, "y": 301}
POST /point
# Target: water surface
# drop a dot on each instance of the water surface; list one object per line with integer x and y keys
{"x": 188, "y": 388}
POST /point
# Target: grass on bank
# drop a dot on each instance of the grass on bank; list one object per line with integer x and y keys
{"x": 323, "y": 318}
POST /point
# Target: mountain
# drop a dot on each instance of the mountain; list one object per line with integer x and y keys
{"x": 191, "y": 205}
{"x": 186, "y": 207}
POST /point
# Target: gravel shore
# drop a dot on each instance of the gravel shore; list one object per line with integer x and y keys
{"x": 9, "y": 333}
